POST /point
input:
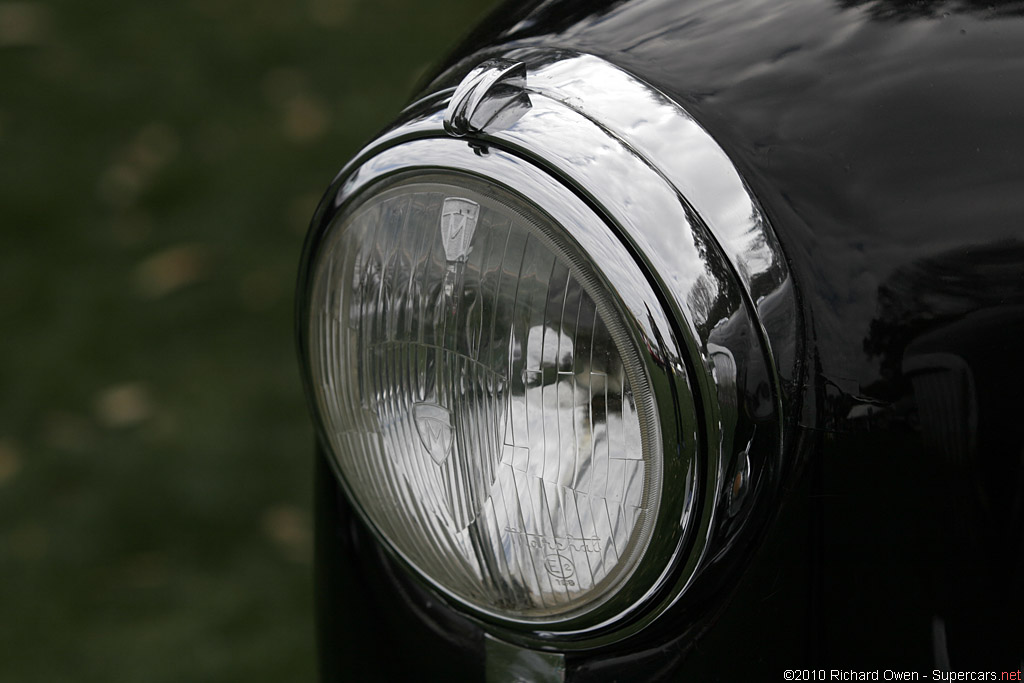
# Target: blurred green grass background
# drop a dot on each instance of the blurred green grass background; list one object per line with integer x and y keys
{"x": 159, "y": 163}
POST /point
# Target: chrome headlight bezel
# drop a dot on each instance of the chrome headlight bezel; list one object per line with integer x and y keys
{"x": 688, "y": 298}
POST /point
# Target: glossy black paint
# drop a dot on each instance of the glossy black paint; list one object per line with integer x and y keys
{"x": 885, "y": 141}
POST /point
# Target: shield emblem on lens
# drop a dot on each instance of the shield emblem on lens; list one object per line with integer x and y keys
{"x": 458, "y": 223}
{"x": 460, "y": 446}
{"x": 434, "y": 425}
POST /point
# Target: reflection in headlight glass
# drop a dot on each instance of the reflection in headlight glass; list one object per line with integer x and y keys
{"x": 482, "y": 397}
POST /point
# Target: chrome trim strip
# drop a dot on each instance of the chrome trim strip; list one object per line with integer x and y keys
{"x": 491, "y": 97}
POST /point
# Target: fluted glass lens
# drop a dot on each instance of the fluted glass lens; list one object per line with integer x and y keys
{"x": 482, "y": 397}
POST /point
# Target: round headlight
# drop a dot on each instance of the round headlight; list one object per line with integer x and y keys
{"x": 483, "y": 396}
{"x": 535, "y": 370}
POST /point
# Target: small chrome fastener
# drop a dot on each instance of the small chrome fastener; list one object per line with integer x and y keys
{"x": 490, "y": 98}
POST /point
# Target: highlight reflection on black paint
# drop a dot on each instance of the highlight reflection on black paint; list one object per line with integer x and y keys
{"x": 902, "y": 10}
{"x": 929, "y": 293}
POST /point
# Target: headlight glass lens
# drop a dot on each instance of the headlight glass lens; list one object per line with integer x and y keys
{"x": 483, "y": 397}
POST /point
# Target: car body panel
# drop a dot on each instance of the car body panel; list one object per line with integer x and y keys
{"x": 885, "y": 143}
